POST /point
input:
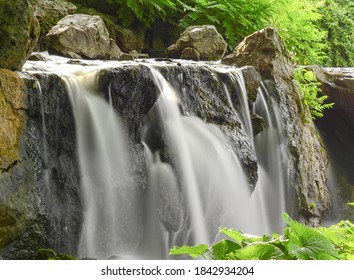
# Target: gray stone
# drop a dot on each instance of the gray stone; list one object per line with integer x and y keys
{"x": 190, "y": 53}
{"x": 252, "y": 82}
{"x": 82, "y": 36}
{"x": 128, "y": 40}
{"x": 48, "y": 13}
{"x": 204, "y": 39}
{"x": 19, "y": 32}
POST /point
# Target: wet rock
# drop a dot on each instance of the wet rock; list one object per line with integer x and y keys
{"x": 19, "y": 32}
{"x": 82, "y": 36}
{"x": 252, "y": 81}
{"x": 39, "y": 193}
{"x": 48, "y": 13}
{"x": 265, "y": 50}
{"x": 258, "y": 123}
{"x": 203, "y": 39}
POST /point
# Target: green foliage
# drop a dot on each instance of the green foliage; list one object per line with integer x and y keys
{"x": 338, "y": 21}
{"x": 135, "y": 12}
{"x": 310, "y": 89}
{"x": 194, "y": 251}
{"x": 233, "y": 19}
{"x": 297, "y": 22}
{"x": 298, "y": 242}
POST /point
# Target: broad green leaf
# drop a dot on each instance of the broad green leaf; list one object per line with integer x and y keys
{"x": 258, "y": 252}
{"x": 220, "y": 250}
{"x": 305, "y": 243}
{"x": 194, "y": 251}
{"x": 233, "y": 234}
{"x": 241, "y": 238}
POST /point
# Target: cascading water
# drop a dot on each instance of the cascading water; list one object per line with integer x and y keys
{"x": 272, "y": 161}
{"x": 195, "y": 181}
{"x": 212, "y": 185}
{"x": 109, "y": 205}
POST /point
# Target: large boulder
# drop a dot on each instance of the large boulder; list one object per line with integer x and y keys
{"x": 126, "y": 39}
{"x": 82, "y": 36}
{"x": 19, "y": 32}
{"x": 198, "y": 43}
{"x": 266, "y": 51}
{"x": 48, "y": 13}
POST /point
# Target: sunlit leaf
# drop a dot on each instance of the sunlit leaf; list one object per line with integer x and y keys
{"x": 194, "y": 251}
{"x": 258, "y": 252}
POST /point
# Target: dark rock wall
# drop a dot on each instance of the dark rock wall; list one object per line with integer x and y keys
{"x": 39, "y": 193}
{"x": 337, "y": 130}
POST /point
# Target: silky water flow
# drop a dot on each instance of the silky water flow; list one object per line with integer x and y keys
{"x": 189, "y": 196}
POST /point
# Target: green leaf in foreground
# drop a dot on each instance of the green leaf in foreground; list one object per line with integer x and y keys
{"x": 222, "y": 249}
{"x": 305, "y": 243}
{"x": 194, "y": 251}
{"x": 258, "y": 252}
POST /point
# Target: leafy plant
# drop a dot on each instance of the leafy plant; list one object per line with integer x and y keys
{"x": 233, "y": 19}
{"x": 297, "y": 22}
{"x": 310, "y": 89}
{"x": 298, "y": 242}
{"x": 338, "y": 20}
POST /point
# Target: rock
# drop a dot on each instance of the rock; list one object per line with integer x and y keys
{"x": 252, "y": 82}
{"x": 126, "y": 57}
{"x": 48, "y": 13}
{"x": 77, "y": 62}
{"x": 204, "y": 39}
{"x": 11, "y": 120}
{"x": 274, "y": 56}
{"x": 37, "y": 57}
{"x": 39, "y": 177}
{"x": 128, "y": 40}
{"x": 19, "y": 32}
{"x": 258, "y": 123}
{"x": 337, "y": 129}
{"x": 82, "y": 36}
{"x": 265, "y": 50}
{"x": 190, "y": 53}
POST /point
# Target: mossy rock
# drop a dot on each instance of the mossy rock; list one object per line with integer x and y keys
{"x": 19, "y": 32}
{"x": 50, "y": 254}
{"x": 10, "y": 226}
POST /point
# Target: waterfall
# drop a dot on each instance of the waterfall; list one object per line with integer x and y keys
{"x": 195, "y": 180}
{"x": 272, "y": 161}
{"x": 109, "y": 224}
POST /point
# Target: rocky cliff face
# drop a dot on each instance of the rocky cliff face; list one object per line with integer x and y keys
{"x": 266, "y": 51}
{"x": 39, "y": 199}
{"x": 337, "y": 130}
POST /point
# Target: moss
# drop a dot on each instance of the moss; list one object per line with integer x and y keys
{"x": 50, "y": 254}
